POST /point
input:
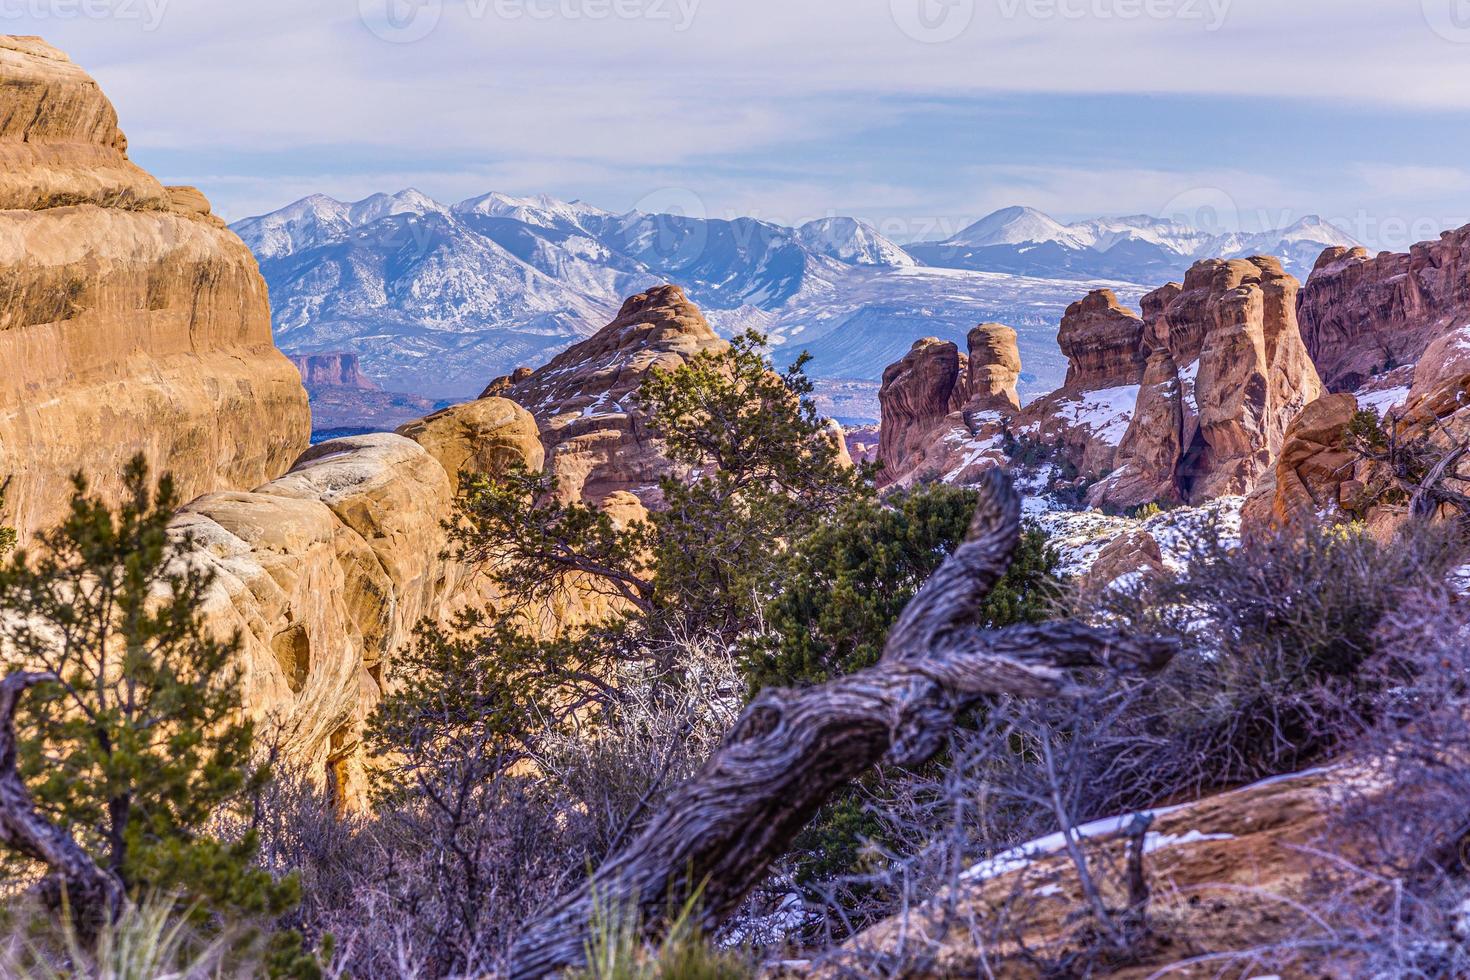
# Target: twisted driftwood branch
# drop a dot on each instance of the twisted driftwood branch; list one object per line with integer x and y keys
{"x": 792, "y": 749}
{"x": 92, "y": 893}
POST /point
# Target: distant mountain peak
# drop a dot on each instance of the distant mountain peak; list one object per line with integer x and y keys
{"x": 1017, "y": 225}
{"x": 852, "y": 241}
{"x": 541, "y": 210}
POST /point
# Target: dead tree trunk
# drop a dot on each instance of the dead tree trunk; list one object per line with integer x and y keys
{"x": 791, "y": 750}
{"x": 93, "y": 894}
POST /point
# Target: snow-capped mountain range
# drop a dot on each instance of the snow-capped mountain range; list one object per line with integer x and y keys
{"x": 1138, "y": 247}
{"x": 438, "y": 299}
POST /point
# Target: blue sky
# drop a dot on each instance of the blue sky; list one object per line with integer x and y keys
{"x": 917, "y": 115}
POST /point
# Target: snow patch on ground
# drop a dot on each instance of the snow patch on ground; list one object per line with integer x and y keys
{"x": 1382, "y": 401}
{"x": 1021, "y": 857}
{"x": 1105, "y": 413}
{"x": 1080, "y": 536}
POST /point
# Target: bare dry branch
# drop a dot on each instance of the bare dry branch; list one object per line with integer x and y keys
{"x": 792, "y": 749}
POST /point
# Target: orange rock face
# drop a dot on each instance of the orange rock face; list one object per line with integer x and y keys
{"x": 1313, "y": 472}
{"x": 994, "y": 369}
{"x": 585, "y": 401}
{"x": 1362, "y": 315}
{"x": 326, "y": 571}
{"x": 130, "y": 318}
{"x": 918, "y": 394}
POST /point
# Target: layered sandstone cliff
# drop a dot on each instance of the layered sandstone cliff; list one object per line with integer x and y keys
{"x": 585, "y": 400}
{"x": 1362, "y": 315}
{"x": 131, "y": 319}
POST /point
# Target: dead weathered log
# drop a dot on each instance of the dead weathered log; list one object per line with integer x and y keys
{"x": 92, "y": 893}
{"x": 792, "y": 749}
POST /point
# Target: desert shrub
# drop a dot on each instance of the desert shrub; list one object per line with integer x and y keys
{"x": 845, "y": 587}
{"x": 1286, "y": 652}
{"x": 849, "y": 580}
{"x": 1290, "y": 655}
{"x": 470, "y": 838}
{"x": 618, "y": 950}
{"x": 1390, "y": 891}
{"x": 148, "y": 940}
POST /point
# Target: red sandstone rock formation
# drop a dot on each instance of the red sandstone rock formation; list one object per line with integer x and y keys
{"x": 919, "y": 392}
{"x": 585, "y": 400}
{"x": 1227, "y": 371}
{"x": 1362, "y": 315}
{"x": 1103, "y": 342}
{"x": 944, "y": 411}
{"x": 994, "y": 369}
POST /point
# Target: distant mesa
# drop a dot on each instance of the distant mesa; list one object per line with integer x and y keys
{"x": 337, "y": 369}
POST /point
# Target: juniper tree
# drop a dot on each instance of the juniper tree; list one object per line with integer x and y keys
{"x": 846, "y": 583}
{"x": 135, "y": 742}
{"x": 760, "y": 470}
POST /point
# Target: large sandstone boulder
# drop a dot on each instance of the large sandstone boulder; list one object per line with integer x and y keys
{"x": 1314, "y": 472}
{"x": 1236, "y": 872}
{"x": 1362, "y": 315}
{"x": 919, "y": 392}
{"x": 131, "y": 319}
{"x": 585, "y": 400}
{"x": 326, "y": 571}
{"x": 484, "y": 437}
{"x": 1226, "y": 373}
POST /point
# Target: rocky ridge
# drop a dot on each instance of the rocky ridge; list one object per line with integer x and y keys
{"x": 130, "y": 311}
{"x": 1363, "y": 315}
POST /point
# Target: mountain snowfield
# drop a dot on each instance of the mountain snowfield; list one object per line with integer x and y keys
{"x": 438, "y": 299}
